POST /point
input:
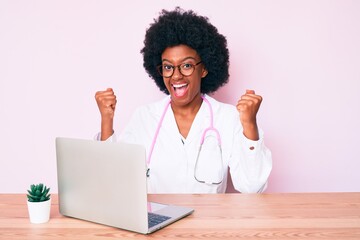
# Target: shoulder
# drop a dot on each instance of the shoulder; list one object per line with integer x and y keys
{"x": 221, "y": 108}
{"x": 154, "y": 108}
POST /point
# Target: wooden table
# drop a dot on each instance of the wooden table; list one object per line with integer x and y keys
{"x": 218, "y": 216}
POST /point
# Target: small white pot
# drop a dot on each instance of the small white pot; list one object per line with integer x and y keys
{"x": 39, "y": 212}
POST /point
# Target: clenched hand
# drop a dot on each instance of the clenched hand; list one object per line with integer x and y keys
{"x": 248, "y": 106}
{"x": 106, "y": 101}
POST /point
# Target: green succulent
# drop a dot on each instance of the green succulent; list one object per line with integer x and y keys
{"x": 38, "y": 193}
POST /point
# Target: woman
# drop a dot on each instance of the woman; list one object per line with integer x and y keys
{"x": 188, "y": 59}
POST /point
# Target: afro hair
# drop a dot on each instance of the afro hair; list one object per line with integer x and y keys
{"x": 179, "y": 27}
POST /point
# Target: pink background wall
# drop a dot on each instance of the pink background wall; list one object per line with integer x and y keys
{"x": 303, "y": 57}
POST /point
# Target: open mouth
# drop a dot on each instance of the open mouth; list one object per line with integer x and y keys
{"x": 180, "y": 89}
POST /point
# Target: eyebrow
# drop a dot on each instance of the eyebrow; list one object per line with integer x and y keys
{"x": 183, "y": 60}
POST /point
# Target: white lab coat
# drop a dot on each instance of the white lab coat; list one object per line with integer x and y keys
{"x": 172, "y": 163}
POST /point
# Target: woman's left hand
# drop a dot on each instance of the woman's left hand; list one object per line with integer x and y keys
{"x": 248, "y": 106}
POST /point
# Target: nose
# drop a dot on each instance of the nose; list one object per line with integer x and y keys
{"x": 177, "y": 74}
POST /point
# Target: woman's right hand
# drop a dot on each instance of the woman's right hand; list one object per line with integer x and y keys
{"x": 106, "y": 101}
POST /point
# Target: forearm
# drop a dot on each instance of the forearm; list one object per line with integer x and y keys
{"x": 107, "y": 129}
{"x": 251, "y": 131}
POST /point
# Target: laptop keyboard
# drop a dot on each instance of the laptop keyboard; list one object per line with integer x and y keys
{"x": 155, "y": 219}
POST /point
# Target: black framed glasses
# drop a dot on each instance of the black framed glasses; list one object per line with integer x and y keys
{"x": 186, "y": 69}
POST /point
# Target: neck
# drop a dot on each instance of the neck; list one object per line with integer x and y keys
{"x": 185, "y": 114}
{"x": 188, "y": 109}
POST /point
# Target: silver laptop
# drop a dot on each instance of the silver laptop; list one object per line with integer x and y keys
{"x": 105, "y": 183}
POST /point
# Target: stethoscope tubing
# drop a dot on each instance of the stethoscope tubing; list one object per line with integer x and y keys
{"x": 157, "y": 132}
{"x": 210, "y": 128}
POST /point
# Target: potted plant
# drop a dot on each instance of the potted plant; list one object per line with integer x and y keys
{"x": 39, "y": 203}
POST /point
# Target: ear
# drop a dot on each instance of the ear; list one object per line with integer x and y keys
{"x": 204, "y": 73}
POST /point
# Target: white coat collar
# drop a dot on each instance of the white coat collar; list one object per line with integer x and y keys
{"x": 201, "y": 121}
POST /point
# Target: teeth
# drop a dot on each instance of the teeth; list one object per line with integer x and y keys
{"x": 179, "y": 85}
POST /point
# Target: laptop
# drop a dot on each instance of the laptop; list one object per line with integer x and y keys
{"x": 106, "y": 183}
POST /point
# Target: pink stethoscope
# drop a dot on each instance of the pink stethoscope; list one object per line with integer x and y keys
{"x": 210, "y": 128}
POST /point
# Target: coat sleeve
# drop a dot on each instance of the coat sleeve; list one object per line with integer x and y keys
{"x": 112, "y": 138}
{"x": 250, "y": 163}
{"x": 130, "y": 132}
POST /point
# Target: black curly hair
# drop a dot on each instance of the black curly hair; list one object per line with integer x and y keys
{"x": 178, "y": 27}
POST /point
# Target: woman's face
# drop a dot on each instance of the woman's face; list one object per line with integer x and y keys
{"x": 183, "y": 89}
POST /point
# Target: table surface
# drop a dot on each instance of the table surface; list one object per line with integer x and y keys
{"x": 217, "y": 216}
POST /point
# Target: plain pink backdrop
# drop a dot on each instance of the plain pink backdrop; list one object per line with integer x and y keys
{"x": 303, "y": 57}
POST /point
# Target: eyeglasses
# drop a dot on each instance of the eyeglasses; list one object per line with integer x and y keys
{"x": 186, "y": 69}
